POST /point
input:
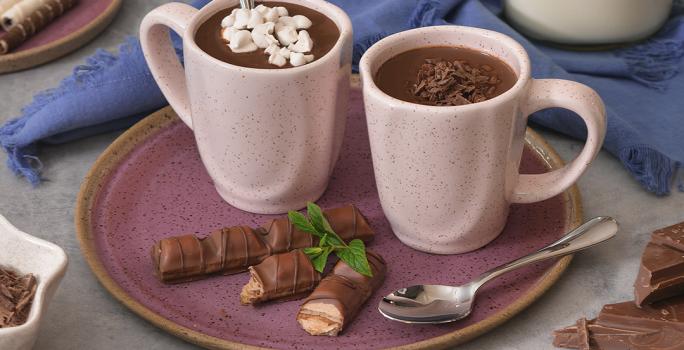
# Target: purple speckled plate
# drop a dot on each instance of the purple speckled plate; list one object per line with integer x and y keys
{"x": 68, "y": 32}
{"x": 151, "y": 184}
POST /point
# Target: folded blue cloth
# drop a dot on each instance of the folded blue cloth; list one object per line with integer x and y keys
{"x": 640, "y": 85}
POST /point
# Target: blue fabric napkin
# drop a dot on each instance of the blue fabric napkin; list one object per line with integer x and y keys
{"x": 639, "y": 84}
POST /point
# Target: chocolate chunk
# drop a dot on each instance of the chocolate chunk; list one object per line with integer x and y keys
{"x": 339, "y": 297}
{"x": 661, "y": 274}
{"x": 626, "y": 326}
{"x": 233, "y": 249}
{"x": 34, "y": 23}
{"x": 653, "y": 317}
{"x": 453, "y": 83}
{"x": 16, "y": 297}
{"x": 286, "y": 276}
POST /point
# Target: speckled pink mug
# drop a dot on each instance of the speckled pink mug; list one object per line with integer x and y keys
{"x": 269, "y": 138}
{"x": 447, "y": 175}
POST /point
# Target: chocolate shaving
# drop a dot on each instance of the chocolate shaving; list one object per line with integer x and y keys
{"x": 454, "y": 83}
{"x": 16, "y": 296}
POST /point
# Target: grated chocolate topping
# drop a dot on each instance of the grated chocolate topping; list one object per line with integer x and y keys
{"x": 454, "y": 83}
{"x": 16, "y": 296}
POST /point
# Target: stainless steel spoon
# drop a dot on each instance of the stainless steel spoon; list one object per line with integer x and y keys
{"x": 442, "y": 304}
{"x": 247, "y": 4}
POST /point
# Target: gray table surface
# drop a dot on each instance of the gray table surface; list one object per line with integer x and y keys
{"x": 84, "y": 316}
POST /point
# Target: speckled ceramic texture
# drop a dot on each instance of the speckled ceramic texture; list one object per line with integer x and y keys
{"x": 159, "y": 188}
{"x": 447, "y": 175}
{"x": 28, "y": 254}
{"x": 269, "y": 138}
{"x": 66, "y": 33}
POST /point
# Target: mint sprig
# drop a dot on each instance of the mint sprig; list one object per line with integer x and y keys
{"x": 354, "y": 253}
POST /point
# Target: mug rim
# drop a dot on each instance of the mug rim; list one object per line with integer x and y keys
{"x": 517, "y": 50}
{"x": 336, "y": 14}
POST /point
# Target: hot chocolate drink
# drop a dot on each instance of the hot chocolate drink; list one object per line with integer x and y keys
{"x": 274, "y": 35}
{"x": 444, "y": 76}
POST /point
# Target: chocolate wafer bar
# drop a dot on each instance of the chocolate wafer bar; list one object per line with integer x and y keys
{"x": 339, "y": 297}
{"x": 31, "y": 24}
{"x": 233, "y": 249}
{"x": 285, "y": 276}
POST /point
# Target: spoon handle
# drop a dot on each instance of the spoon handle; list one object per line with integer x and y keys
{"x": 247, "y": 4}
{"x": 589, "y": 234}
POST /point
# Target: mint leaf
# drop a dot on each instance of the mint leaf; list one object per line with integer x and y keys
{"x": 302, "y": 223}
{"x": 316, "y": 216}
{"x": 355, "y": 256}
{"x": 321, "y": 224}
{"x": 321, "y": 259}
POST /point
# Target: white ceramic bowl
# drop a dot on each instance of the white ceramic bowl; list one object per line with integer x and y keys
{"x": 588, "y": 22}
{"x": 46, "y": 261}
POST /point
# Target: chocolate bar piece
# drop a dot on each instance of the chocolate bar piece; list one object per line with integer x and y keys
{"x": 661, "y": 274}
{"x": 626, "y": 326}
{"x": 233, "y": 249}
{"x": 339, "y": 297}
{"x": 22, "y": 27}
{"x": 285, "y": 276}
{"x": 609, "y": 338}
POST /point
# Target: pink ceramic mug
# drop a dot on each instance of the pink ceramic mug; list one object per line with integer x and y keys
{"x": 269, "y": 138}
{"x": 447, "y": 175}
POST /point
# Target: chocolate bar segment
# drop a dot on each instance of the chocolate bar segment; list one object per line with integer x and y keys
{"x": 339, "y": 297}
{"x": 626, "y": 326}
{"x": 233, "y": 249}
{"x": 661, "y": 274}
{"x": 610, "y": 338}
{"x": 667, "y": 313}
{"x": 28, "y": 26}
{"x": 285, "y": 276}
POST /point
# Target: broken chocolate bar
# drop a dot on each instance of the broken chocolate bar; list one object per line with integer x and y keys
{"x": 339, "y": 297}
{"x": 661, "y": 274}
{"x": 625, "y": 326}
{"x": 285, "y": 276}
{"x": 233, "y": 249}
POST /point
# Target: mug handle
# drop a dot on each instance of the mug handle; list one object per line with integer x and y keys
{"x": 161, "y": 56}
{"x": 581, "y": 99}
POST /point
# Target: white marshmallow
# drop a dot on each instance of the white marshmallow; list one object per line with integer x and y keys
{"x": 227, "y": 33}
{"x": 303, "y": 44}
{"x": 271, "y": 49}
{"x": 271, "y": 15}
{"x": 281, "y": 11}
{"x": 285, "y": 52}
{"x": 263, "y": 40}
{"x": 235, "y": 10}
{"x": 262, "y": 9}
{"x": 298, "y": 59}
{"x": 287, "y": 21}
{"x": 302, "y": 22}
{"x": 286, "y": 34}
{"x": 264, "y": 28}
{"x": 277, "y": 59}
{"x": 255, "y": 18}
{"x": 228, "y": 21}
{"x": 242, "y": 17}
{"x": 242, "y": 42}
